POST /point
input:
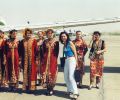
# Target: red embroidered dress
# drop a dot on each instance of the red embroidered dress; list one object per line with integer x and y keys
{"x": 28, "y": 49}
{"x": 49, "y": 67}
{"x": 12, "y": 62}
{"x": 2, "y": 59}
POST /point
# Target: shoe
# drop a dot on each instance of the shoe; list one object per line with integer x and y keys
{"x": 49, "y": 93}
{"x": 68, "y": 93}
{"x": 97, "y": 86}
{"x": 90, "y": 87}
{"x": 14, "y": 89}
{"x": 80, "y": 86}
{"x": 74, "y": 96}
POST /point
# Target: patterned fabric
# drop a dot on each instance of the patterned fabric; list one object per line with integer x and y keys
{"x": 81, "y": 49}
{"x": 49, "y": 67}
{"x": 96, "y": 69}
{"x": 2, "y": 60}
{"x": 12, "y": 62}
{"x": 39, "y": 56}
{"x": 96, "y": 62}
{"x": 28, "y": 50}
{"x": 96, "y": 48}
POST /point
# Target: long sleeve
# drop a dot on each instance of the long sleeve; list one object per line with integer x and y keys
{"x": 56, "y": 48}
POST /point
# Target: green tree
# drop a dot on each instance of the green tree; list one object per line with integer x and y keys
{"x": 1, "y": 23}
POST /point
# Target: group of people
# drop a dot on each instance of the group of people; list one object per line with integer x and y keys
{"x": 38, "y": 57}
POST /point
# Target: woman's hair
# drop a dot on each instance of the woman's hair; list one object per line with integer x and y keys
{"x": 1, "y": 32}
{"x": 25, "y": 31}
{"x": 49, "y": 30}
{"x": 11, "y": 31}
{"x": 60, "y": 37}
{"x": 43, "y": 33}
{"x": 96, "y": 32}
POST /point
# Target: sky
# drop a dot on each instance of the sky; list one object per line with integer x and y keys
{"x": 18, "y": 12}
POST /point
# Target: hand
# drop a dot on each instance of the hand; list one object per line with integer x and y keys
{"x": 4, "y": 62}
{"x": 36, "y": 62}
{"x": 98, "y": 52}
{"x": 77, "y": 68}
{"x": 76, "y": 64}
{"x": 20, "y": 62}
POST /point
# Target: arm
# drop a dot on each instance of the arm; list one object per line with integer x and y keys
{"x": 43, "y": 50}
{"x": 85, "y": 48}
{"x": 57, "y": 48}
{"x": 103, "y": 48}
{"x": 4, "y": 53}
{"x": 35, "y": 49}
{"x": 91, "y": 42}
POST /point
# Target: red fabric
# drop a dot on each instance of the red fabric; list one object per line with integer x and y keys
{"x": 96, "y": 68}
{"x": 52, "y": 72}
{"x": 9, "y": 64}
{"x": 2, "y": 67}
{"x": 34, "y": 71}
{"x": 31, "y": 71}
{"x": 80, "y": 47}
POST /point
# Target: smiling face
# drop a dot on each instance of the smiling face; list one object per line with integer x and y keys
{"x": 64, "y": 38}
{"x": 96, "y": 37}
{"x": 78, "y": 35}
{"x": 40, "y": 34}
{"x": 28, "y": 34}
{"x": 13, "y": 35}
{"x": 50, "y": 35}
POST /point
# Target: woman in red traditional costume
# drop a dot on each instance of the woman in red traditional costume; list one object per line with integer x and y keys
{"x": 49, "y": 67}
{"x": 28, "y": 50}
{"x": 2, "y": 60}
{"x": 12, "y": 60}
{"x": 81, "y": 48}
{"x": 96, "y": 58}
{"x": 39, "y": 53}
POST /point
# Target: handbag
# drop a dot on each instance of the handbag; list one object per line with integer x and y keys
{"x": 62, "y": 62}
{"x": 77, "y": 75}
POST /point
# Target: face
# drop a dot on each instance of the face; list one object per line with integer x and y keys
{"x": 1, "y": 35}
{"x": 64, "y": 37}
{"x": 50, "y": 35}
{"x": 96, "y": 36}
{"x": 28, "y": 34}
{"x": 13, "y": 35}
{"x": 78, "y": 35}
{"x": 40, "y": 35}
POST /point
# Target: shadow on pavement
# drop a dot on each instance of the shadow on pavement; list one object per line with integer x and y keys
{"x": 61, "y": 94}
{"x": 61, "y": 84}
{"x": 107, "y": 69}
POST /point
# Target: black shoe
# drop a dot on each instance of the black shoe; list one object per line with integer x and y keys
{"x": 49, "y": 93}
{"x": 14, "y": 89}
{"x": 68, "y": 93}
{"x": 80, "y": 86}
